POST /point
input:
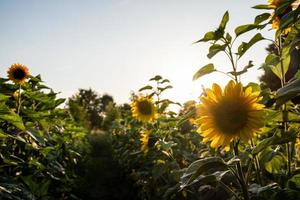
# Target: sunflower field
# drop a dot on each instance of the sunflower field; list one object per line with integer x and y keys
{"x": 237, "y": 142}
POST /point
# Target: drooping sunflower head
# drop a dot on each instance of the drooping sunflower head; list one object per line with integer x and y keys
{"x": 143, "y": 109}
{"x": 144, "y": 141}
{"x": 234, "y": 113}
{"x": 18, "y": 73}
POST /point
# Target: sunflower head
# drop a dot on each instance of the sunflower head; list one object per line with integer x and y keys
{"x": 143, "y": 109}
{"x": 275, "y": 3}
{"x": 234, "y": 113}
{"x": 18, "y": 73}
{"x": 275, "y": 23}
{"x": 144, "y": 141}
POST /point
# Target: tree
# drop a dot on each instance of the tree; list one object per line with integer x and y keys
{"x": 88, "y": 108}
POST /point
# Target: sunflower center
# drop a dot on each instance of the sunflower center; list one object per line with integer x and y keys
{"x": 19, "y": 74}
{"x": 231, "y": 116}
{"x": 145, "y": 107}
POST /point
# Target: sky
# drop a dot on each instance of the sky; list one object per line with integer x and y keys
{"x": 116, "y": 46}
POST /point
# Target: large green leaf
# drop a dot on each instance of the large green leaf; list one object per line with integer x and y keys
{"x": 207, "y": 37}
{"x": 276, "y": 139}
{"x": 200, "y": 167}
{"x": 215, "y": 48}
{"x": 273, "y": 160}
{"x": 207, "y": 69}
{"x": 246, "y": 45}
{"x": 245, "y": 28}
{"x": 261, "y": 18}
{"x": 224, "y": 20}
{"x": 11, "y": 117}
{"x": 291, "y": 89}
{"x": 147, "y": 87}
{"x": 264, "y": 7}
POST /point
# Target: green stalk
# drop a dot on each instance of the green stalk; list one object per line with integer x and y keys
{"x": 256, "y": 165}
{"x": 284, "y": 108}
{"x": 19, "y": 99}
{"x": 241, "y": 179}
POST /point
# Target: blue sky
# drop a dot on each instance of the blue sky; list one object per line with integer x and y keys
{"x": 115, "y": 46}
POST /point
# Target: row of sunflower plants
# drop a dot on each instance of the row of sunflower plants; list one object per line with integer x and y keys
{"x": 257, "y": 128}
{"x": 41, "y": 146}
{"x": 153, "y": 145}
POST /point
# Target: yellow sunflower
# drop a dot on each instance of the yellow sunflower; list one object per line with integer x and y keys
{"x": 18, "y": 73}
{"x": 234, "y": 113}
{"x": 144, "y": 140}
{"x": 276, "y": 24}
{"x": 143, "y": 109}
{"x": 274, "y": 2}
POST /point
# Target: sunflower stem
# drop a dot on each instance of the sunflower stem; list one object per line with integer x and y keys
{"x": 284, "y": 110}
{"x": 256, "y": 165}
{"x": 230, "y": 56}
{"x": 19, "y": 99}
{"x": 240, "y": 173}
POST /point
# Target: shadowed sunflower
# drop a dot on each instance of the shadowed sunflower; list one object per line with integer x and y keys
{"x": 143, "y": 109}
{"x": 144, "y": 140}
{"x": 18, "y": 73}
{"x": 231, "y": 114}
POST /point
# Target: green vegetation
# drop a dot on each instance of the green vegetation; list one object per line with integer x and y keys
{"x": 238, "y": 142}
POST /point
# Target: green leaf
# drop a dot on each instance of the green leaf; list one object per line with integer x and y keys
{"x": 224, "y": 20}
{"x": 36, "y": 135}
{"x": 228, "y": 37}
{"x": 249, "y": 65}
{"x": 245, "y": 28}
{"x": 11, "y": 117}
{"x": 264, "y": 7}
{"x": 245, "y": 46}
{"x": 165, "y": 81}
{"x": 262, "y": 17}
{"x": 276, "y": 139}
{"x": 294, "y": 182}
{"x": 274, "y": 166}
{"x": 165, "y": 88}
{"x": 2, "y": 134}
{"x": 214, "y": 49}
{"x": 272, "y": 59}
{"x": 205, "y": 165}
{"x": 207, "y": 69}
{"x": 147, "y": 87}
{"x": 207, "y": 37}
{"x": 156, "y": 78}
{"x": 3, "y": 97}
{"x": 255, "y": 87}
{"x": 288, "y": 92}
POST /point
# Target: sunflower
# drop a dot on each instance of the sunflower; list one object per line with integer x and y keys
{"x": 144, "y": 140}
{"x": 234, "y": 113}
{"x": 274, "y": 2}
{"x": 18, "y": 73}
{"x": 143, "y": 109}
{"x": 275, "y": 22}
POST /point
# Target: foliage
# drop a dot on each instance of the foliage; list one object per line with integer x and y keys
{"x": 40, "y": 144}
